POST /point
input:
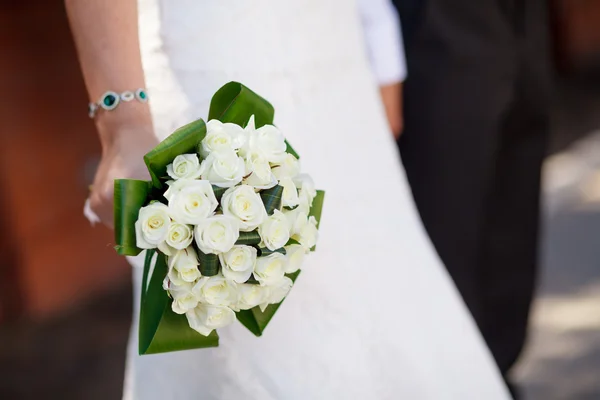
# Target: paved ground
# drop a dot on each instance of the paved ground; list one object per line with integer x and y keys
{"x": 563, "y": 357}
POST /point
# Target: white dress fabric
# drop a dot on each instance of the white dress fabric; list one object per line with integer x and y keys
{"x": 373, "y": 315}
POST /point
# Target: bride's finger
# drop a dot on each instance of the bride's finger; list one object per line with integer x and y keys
{"x": 89, "y": 213}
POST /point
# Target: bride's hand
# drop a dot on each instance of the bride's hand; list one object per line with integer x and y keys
{"x": 391, "y": 95}
{"x": 123, "y": 148}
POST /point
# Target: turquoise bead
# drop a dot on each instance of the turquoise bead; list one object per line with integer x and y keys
{"x": 142, "y": 94}
{"x": 109, "y": 100}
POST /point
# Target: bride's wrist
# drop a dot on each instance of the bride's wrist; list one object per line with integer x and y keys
{"x": 132, "y": 117}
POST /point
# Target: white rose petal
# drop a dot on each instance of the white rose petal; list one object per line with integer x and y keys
{"x": 245, "y": 205}
{"x": 270, "y": 269}
{"x": 166, "y": 249}
{"x": 217, "y": 234}
{"x": 295, "y": 254}
{"x": 183, "y": 267}
{"x": 279, "y": 290}
{"x": 308, "y": 235}
{"x": 183, "y": 298}
{"x": 288, "y": 168}
{"x": 220, "y": 136}
{"x": 296, "y": 218}
{"x": 290, "y": 193}
{"x": 205, "y": 318}
{"x": 185, "y": 166}
{"x": 251, "y": 296}
{"x": 191, "y": 201}
{"x": 266, "y": 141}
{"x": 223, "y": 168}
{"x": 275, "y": 231}
{"x": 179, "y": 236}
{"x": 215, "y": 290}
{"x": 152, "y": 225}
{"x": 258, "y": 172}
{"x": 238, "y": 263}
{"x": 308, "y": 192}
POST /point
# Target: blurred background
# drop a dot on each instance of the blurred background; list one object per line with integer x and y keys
{"x": 65, "y": 296}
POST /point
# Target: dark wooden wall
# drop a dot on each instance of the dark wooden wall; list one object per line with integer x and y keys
{"x": 50, "y": 257}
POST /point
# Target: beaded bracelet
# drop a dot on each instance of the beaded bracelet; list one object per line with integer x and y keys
{"x": 110, "y": 100}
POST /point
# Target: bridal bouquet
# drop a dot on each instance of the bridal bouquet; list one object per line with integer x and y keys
{"x": 226, "y": 221}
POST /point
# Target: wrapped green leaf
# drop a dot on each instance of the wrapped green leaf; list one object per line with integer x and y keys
{"x": 209, "y": 264}
{"x": 184, "y": 140}
{"x": 317, "y": 209}
{"x": 256, "y": 320}
{"x": 129, "y": 196}
{"x": 290, "y": 149}
{"x": 236, "y": 103}
{"x": 161, "y": 330}
{"x": 272, "y": 198}
{"x": 263, "y": 251}
{"x": 249, "y": 238}
{"x": 291, "y": 242}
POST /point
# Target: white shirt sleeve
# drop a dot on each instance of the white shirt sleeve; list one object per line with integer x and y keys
{"x": 381, "y": 27}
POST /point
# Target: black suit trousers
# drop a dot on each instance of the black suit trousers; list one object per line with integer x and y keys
{"x": 476, "y": 126}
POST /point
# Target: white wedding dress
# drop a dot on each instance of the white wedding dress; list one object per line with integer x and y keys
{"x": 373, "y": 315}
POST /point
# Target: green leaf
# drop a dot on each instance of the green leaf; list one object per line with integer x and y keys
{"x": 291, "y": 242}
{"x": 184, "y": 140}
{"x": 317, "y": 209}
{"x": 272, "y": 198}
{"x": 209, "y": 264}
{"x": 317, "y": 206}
{"x": 263, "y": 251}
{"x": 129, "y": 196}
{"x": 290, "y": 149}
{"x": 147, "y": 261}
{"x": 160, "y": 329}
{"x": 219, "y": 191}
{"x": 255, "y": 320}
{"x": 249, "y": 238}
{"x": 236, "y": 103}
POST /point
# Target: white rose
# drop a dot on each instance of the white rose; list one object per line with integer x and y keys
{"x": 245, "y": 205}
{"x": 191, "y": 201}
{"x": 279, "y": 290}
{"x": 220, "y": 136}
{"x": 259, "y": 173}
{"x": 238, "y": 263}
{"x": 308, "y": 234}
{"x": 266, "y": 141}
{"x": 275, "y": 231}
{"x": 179, "y": 236}
{"x": 184, "y": 166}
{"x": 215, "y": 290}
{"x": 183, "y": 267}
{"x": 183, "y": 298}
{"x": 270, "y": 269}
{"x": 308, "y": 192}
{"x": 223, "y": 168}
{"x": 296, "y": 218}
{"x": 251, "y": 296}
{"x": 288, "y": 168}
{"x": 205, "y": 318}
{"x": 217, "y": 234}
{"x": 290, "y": 193}
{"x": 295, "y": 254}
{"x": 152, "y": 225}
